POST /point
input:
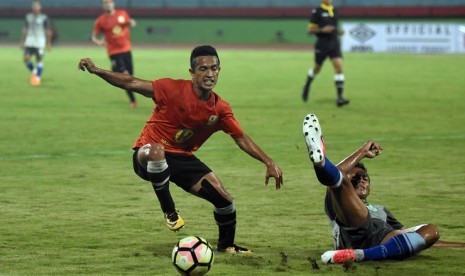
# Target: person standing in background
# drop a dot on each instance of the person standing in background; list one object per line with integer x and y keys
{"x": 36, "y": 36}
{"x": 112, "y": 29}
{"x": 324, "y": 24}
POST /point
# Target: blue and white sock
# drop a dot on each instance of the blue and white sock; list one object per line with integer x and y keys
{"x": 30, "y": 66}
{"x": 329, "y": 175}
{"x": 40, "y": 67}
{"x": 396, "y": 248}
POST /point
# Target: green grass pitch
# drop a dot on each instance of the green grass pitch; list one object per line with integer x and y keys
{"x": 70, "y": 203}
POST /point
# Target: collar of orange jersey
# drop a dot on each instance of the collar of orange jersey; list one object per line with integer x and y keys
{"x": 329, "y": 8}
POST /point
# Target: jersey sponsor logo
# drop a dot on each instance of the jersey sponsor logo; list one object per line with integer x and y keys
{"x": 213, "y": 119}
{"x": 183, "y": 135}
{"x": 117, "y": 30}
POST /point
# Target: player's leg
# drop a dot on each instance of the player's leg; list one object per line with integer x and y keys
{"x": 350, "y": 209}
{"x": 151, "y": 157}
{"x": 129, "y": 69}
{"x": 339, "y": 78}
{"x": 397, "y": 245}
{"x": 28, "y": 60}
{"x": 320, "y": 56}
{"x": 210, "y": 188}
{"x": 119, "y": 64}
{"x": 40, "y": 52}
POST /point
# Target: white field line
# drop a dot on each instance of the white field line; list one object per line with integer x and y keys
{"x": 211, "y": 148}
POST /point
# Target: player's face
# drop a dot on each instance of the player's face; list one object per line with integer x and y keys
{"x": 205, "y": 73}
{"x": 361, "y": 182}
{"x": 108, "y": 5}
{"x": 327, "y": 2}
{"x": 36, "y": 7}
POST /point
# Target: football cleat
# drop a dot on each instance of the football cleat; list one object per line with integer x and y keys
{"x": 133, "y": 104}
{"x": 34, "y": 80}
{"x": 338, "y": 256}
{"x": 173, "y": 221}
{"x": 233, "y": 249}
{"x": 341, "y": 102}
{"x": 314, "y": 139}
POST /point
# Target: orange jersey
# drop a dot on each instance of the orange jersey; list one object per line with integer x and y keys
{"x": 181, "y": 121}
{"x": 115, "y": 27}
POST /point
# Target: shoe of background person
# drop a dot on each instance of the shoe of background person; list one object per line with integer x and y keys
{"x": 173, "y": 221}
{"x": 338, "y": 256}
{"x": 341, "y": 102}
{"x": 34, "y": 80}
{"x": 235, "y": 249}
{"x": 133, "y": 104}
{"x": 314, "y": 138}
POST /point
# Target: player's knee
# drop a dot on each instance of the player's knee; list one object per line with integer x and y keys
{"x": 152, "y": 152}
{"x": 430, "y": 233}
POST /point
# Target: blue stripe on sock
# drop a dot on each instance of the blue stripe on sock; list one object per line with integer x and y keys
{"x": 328, "y": 175}
{"x": 398, "y": 247}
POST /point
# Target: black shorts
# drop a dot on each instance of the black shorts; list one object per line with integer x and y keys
{"x": 327, "y": 48}
{"x": 122, "y": 62}
{"x": 33, "y": 51}
{"x": 370, "y": 234}
{"x": 185, "y": 170}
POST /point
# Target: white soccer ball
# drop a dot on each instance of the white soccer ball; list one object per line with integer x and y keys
{"x": 192, "y": 256}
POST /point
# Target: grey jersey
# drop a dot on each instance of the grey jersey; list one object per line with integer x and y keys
{"x": 37, "y": 26}
{"x": 379, "y": 223}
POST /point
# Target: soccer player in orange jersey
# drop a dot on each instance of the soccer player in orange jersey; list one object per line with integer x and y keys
{"x": 112, "y": 29}
{"x": 187, "y": 113}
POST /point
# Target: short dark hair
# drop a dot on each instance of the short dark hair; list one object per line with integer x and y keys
{"x": 204, "y": 50}
{"x": 361, "y": 166}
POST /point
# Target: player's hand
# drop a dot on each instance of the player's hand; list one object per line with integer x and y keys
{"x": 87, "y": 64}
{"x": 274, "y": 171}
{"x": 372, "y": 149}
{"x": 99, "y": 42}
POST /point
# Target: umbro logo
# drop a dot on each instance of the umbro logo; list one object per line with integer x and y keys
{"x": 362, "y": 33}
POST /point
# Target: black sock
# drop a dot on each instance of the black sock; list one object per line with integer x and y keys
{"x": 340, "y": 88}
{"x": 227, "y": 229}
{"x": 164, "y": 197}
{"x": 309, "y": 81}
{"x": 131, "y": 96}
{"x": 159, "y": 175}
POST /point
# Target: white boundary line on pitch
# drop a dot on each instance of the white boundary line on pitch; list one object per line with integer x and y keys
{"x": 208, "y": 148}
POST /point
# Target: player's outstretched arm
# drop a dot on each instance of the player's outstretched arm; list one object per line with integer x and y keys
{"x": 370, "y": 149}
{"x": 272, "y": 170}
{"x": 121, "y": 80}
